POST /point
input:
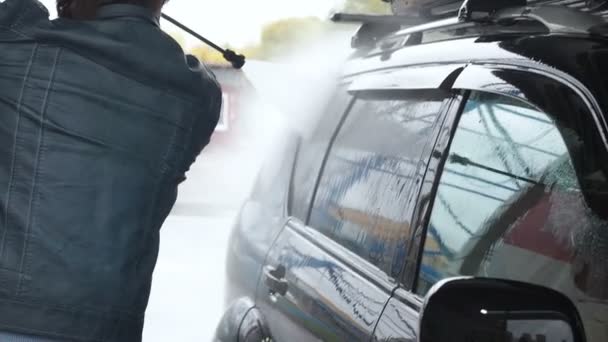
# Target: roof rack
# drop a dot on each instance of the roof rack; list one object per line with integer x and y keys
{"x": 377, "y": 19}
{"x": 439, "y": 9}
{"x": 375, "y": 27}
{"x": 558, "y": 16}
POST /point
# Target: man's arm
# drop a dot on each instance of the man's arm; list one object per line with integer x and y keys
{"x": 15, "y": 13}
{"x": 207, "y": 118}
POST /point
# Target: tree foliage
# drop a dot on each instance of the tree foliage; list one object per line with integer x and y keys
{"x": 366, "y": 6}
{"x": 280, "y": 37}
{"x": 179, "y": 37}
{"x": 207, "y": 54}
{"x": 277, "y": 38}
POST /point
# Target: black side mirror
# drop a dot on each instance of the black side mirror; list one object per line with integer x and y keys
{"x": 491, "y": 310}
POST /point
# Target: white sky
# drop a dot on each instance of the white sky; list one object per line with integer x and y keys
{"x": 236, "y": 22}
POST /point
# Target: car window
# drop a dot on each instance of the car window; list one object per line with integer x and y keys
{"x": 363, "y": 193}
{"x": 509, "y": 205}
{"x": 311, "y": 152}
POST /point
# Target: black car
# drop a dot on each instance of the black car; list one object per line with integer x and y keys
{"x": 456, "y": 189}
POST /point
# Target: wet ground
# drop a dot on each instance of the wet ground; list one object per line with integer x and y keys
{"x": 187, "y": 292}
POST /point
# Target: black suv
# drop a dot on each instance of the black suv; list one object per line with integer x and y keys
{"x": 456, "y": 189}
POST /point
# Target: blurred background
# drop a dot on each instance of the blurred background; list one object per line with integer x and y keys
{"x": 293, "y": 50}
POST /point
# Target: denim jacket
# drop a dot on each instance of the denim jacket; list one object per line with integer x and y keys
{"x": 99, "y": 122}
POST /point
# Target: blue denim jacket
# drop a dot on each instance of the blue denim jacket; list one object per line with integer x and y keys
{"x": 99, "y": 121}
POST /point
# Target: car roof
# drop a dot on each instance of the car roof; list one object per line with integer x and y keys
{"x": 511, "y": 49}
{"x": 482, "y": 30}
{"x": 580, "y": 58}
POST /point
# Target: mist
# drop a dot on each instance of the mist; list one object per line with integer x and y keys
{"x": 285, "y": 97}
{"x": 293, "y": 89}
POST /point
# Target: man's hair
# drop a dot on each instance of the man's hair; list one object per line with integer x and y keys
{"x": 145, "y": 3}
{"x": 64, "y": 5}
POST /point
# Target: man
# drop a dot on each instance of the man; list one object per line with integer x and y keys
{"x": 101, "y": 115}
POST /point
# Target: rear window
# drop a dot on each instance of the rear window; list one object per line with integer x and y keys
{"x": 510, "y": 205}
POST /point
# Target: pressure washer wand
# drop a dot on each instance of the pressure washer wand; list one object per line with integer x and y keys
{"x": 237, "y": 61}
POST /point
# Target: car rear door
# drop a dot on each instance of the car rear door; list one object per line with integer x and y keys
{"x": 513, "y": 191}
{"x": 332, "y": 269}
{"x": 400, "y": 319}
{"x": 283, "y": 313}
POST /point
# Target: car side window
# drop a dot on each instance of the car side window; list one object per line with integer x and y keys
{"x": 310, "y": 154}
{"x": 370, "y": 172}
{"x": 509, "y": 205}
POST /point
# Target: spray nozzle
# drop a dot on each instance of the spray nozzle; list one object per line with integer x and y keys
{"x": 237, "y": 61}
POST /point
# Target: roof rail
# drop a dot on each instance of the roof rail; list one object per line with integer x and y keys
{"x": 597, "y": 5}
{"x": 377, "y": 19}
{"x": 470, "y": 9}
{"x": 375, "y": 27}
{"x": 558, "y": 16}
{"x": 557, "y": 19}
{"x": 560, "y": 19}
{"x": 439, "y": 9}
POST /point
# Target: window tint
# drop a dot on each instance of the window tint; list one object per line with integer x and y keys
{"x": 509, "y": 206}
{"x": 363, "y": 193}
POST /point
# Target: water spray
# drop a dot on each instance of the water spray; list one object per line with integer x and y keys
{"x": 237, "y": 61}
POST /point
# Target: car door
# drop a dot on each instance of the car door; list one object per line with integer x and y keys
{"x": 329, "y": 274}
{"x": 400, "y": 319}
{"x": 284, "y": 313}
{"x": 515, "y": 192}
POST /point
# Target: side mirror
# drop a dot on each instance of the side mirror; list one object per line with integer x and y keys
{"x": 491, "y": 310}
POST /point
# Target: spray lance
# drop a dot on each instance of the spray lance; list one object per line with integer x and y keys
{"x": 237, "y": 61}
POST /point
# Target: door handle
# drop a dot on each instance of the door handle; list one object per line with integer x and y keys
{"x": 274, "y": 278}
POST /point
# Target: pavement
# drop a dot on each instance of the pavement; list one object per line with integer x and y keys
{"x": 188, "y": 288}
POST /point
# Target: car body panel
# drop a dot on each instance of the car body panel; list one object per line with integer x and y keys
{"x": 558, "y": 97}
{"x": 400, "y": 319}
{"x": 399, "y": 322}
{"x": 326, "y": 299}
{"x": 329, "y": 278}
{"x": 261, "y": 218}
{"x": 333, "y": 294}
{"x": 422, "y": 77}
{"x": 291, "y": 315}
{"x": 234, "y": 326}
